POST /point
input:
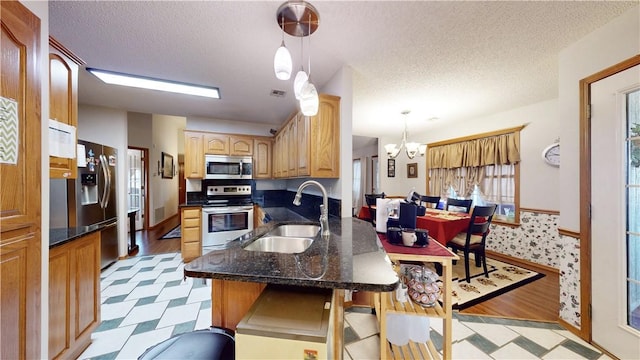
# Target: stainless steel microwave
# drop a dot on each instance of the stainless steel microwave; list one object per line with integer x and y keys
{"x": 228, "y": 167}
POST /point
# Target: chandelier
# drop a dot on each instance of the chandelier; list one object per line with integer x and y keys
{"x": 412, "y": 148}
{"x": 301, "y": 19}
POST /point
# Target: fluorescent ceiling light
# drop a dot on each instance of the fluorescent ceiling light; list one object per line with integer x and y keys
{"x": 115, "y": 78}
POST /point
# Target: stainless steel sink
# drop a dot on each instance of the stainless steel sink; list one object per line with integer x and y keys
{"x": 280, "y": 244}
{"x": 296, "y": 230}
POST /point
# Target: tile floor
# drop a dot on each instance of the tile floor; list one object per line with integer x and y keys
{"x": 145, "y": 300}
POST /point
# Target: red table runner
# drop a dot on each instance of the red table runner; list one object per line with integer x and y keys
{"x": 432, "y": 249}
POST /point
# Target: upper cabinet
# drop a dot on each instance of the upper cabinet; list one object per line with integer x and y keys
{"x": 310, "y": 146}
{"x": 262, "y": 155}
{"x": 240, "y": 145}
{"x": 305, "y": 146}
{"x": 193, "y": 155}
{"x": 63, "y": 101}
{"x": 216, "y": 144}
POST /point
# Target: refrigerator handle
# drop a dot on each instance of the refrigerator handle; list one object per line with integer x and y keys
{"x": 107, "y": 178}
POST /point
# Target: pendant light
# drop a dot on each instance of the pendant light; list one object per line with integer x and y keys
{"x": 301, "y": 77}
{"x": 282, "y": 63}
{"x": 299, "y": 18}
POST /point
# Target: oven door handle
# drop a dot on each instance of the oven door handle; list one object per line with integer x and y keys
{"x": 226, "y": 209}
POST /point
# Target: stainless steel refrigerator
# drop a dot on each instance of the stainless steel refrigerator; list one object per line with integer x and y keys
{"x": 95, "y": 195}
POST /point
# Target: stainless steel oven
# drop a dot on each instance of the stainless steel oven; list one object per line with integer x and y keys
{"x": 227, "y": 214}
{"x": 228, "y": 167}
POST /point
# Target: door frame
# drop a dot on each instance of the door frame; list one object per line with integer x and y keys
{"x": 145, "y": 153}
{"x": 585, "y": 330}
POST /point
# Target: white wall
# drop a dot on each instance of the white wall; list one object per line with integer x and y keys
{"x": 341, "y": 84}
{"x": 607, "y": 46}
{"x": 163, "y": 193}
{"x": 538, "y": 181}
{"x": 138, "y": 130}
{"x": 231, "y": 127}
{"x": 109, "y": 127}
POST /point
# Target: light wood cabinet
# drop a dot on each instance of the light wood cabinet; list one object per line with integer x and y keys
{"x": 191, "y": 234}
{"x": 63, "y": 102}
{"x": 20, "y": 205}
{"x": 303, "y": 145}
{"x": 240, "y": 145}
{"x": 216, "y": 144}
{"x": 324, "y": 136}
{"x": 74, "y": 296}
{"x": 310, "y": 146}
{"x": 233, "y": 300}
{"x": 262, "y": 158}
{"x": 386, "y": 304}
{"x": 193, "y": 155}
{"x": 292, "y": 148}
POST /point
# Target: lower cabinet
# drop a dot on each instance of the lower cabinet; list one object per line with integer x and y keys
{"x": 191, "y": 240}
{"x": 74, "y": 296}
{"x": 232, "y": 300}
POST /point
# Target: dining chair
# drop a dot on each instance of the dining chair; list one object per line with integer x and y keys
{"x": 430, "y": 200}
{"x": 459, "y": 204}
{"x": 370, "y": 199}
{"x": 474, "y": 239}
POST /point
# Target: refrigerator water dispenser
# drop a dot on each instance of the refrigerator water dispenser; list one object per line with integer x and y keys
{"x": 89, "y": 190}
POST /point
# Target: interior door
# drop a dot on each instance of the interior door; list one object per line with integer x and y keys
{"x": 136, "y": 184}
{"x": 615, "y": 221}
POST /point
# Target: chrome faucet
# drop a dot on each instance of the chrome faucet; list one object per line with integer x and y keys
{"x": 324, "y": 208}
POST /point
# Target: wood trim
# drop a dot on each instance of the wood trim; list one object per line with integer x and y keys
{"x": 477, "y": 136}
{"x": 565, "y": 232}
{"x": 574, "y": 330}
{"x": 58, "y": 46}
{"x": 541, "y": 211}
{"x": 164, "y": 221}
{"x": 584, "y": 135}
{"x": 530, "y": 265}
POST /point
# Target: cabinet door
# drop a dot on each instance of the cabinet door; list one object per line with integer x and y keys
{"x": 292, "y": 158}
{"x": 240, "y": 145}
{"x": 262, "y": 159}
{"x": 20, "y": 207}
{"x": 86, "y": 287}
{"x": 59, "y": 299}
{"x": 193, "y": 155}
{"x": 277, "y": 156}
{"x": 216, "y": 144}
{"x": 325, "y": 138}
{"x": 303, "y": 145}
{"x": 63, "y": 103}
{"x": 284, "y": 152}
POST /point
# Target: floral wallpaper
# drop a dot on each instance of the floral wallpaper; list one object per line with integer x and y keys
{"x": 537, "y": 240}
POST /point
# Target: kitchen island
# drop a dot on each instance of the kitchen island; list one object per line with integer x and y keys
{"x": 351, "y": 258}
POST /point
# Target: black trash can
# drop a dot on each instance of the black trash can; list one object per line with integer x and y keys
{"x": 212, "y": 344}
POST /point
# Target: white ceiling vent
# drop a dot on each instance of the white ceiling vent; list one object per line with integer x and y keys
{"x": 278, "y": 93}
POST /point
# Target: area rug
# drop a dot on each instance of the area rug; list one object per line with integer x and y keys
{"x": 503, "y": 277}
{"x": 174, "y": 233}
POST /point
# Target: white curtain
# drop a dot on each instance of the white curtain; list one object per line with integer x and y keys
{"x": 358, "y": 185}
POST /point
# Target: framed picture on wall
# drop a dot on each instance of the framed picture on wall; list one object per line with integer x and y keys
{"x": 391, "y": 167}
{"x": 412, "y": 170}
{"x": 166, "y": 164}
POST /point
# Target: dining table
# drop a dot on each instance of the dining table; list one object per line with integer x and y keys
{"x": 443, "y": 225}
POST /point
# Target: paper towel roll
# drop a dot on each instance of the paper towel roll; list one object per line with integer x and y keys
{"x": 382, "y": 214}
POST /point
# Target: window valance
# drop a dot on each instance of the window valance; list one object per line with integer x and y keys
{"x": 492, "y": 150}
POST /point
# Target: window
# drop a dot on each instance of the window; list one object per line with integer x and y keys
{"x": 633, "y": 209}
{"x": 484, "y": 167}
{"x": 357, "y": 189}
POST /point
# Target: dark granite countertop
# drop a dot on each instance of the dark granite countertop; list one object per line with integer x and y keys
{"x": 351, "y": 258}
{"x": 59, "y": 236}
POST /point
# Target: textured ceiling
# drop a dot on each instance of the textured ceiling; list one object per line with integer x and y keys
{"x": 446, "y": 59}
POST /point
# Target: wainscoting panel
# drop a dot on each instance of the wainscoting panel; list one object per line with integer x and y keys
{"x": 538, "y": 240}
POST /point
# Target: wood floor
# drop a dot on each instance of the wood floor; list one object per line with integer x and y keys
{"x": 538, "y": 300}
